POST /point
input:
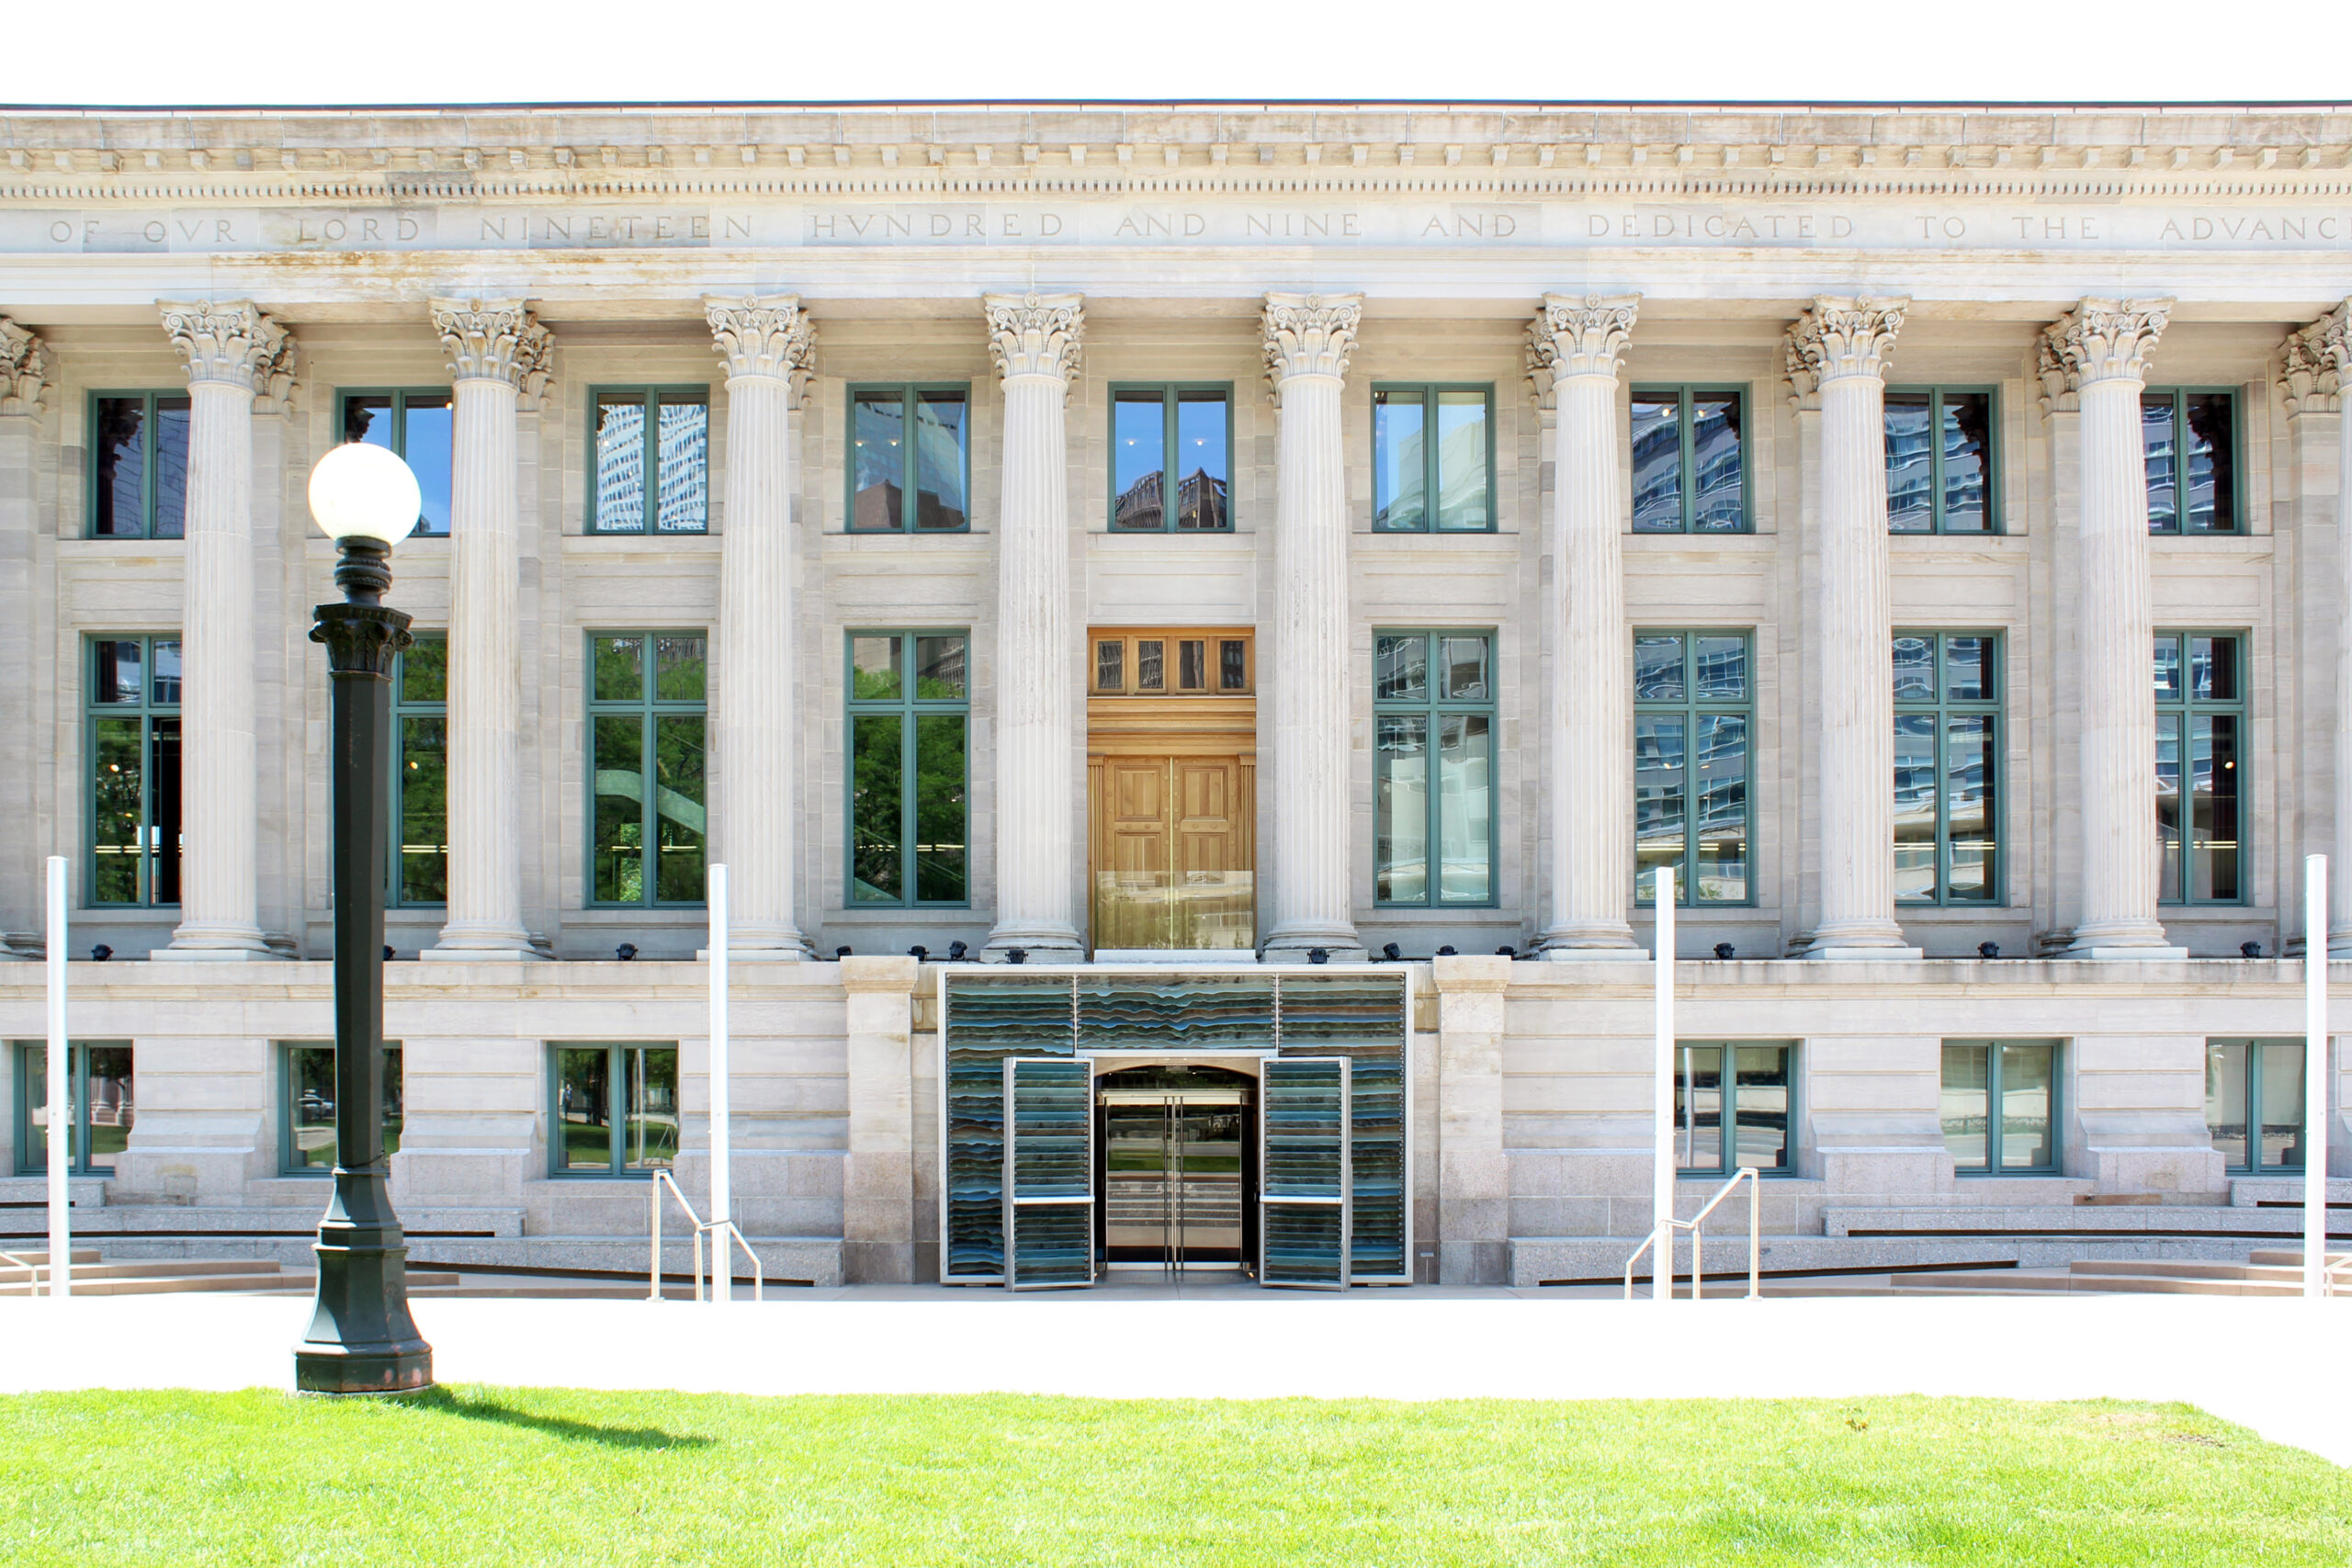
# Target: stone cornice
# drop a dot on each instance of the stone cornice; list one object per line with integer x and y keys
{"x": 233, "y": 342}
{"x": 1578, "y": 336}
{"x": 2098, "y": 340}
{"x": 497, "y": 340}
{"x": 1035, "y": 334}
{"x": 2317, "y": 362}
{"x": 767, "y": 335}
{"x": 1308, "y": 334}
{"x": 24, "y": 371}
{"x": 1840, "y": 337}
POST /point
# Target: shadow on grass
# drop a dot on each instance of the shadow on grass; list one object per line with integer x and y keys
{"x": 440, "y": 1401}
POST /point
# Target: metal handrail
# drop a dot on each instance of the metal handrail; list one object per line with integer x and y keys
{"x": 1746, "y": 1173}
{"x": 2330, "y": 1275}
{"x": 32, "y": 1272}
{"x": 720, "y": 1261}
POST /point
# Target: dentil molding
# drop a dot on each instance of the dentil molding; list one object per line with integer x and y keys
{"x": 497, "y": 340}
{"x": 235, "y": 342}
{"x": 769, "y": 336}
{"x": 1838, "y": 337}
{"x": 1573, "y": 336}
{"x": 1035, "y": 334}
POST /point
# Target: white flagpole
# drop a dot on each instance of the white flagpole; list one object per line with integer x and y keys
{"x": 60, "y": 1228}
{"x": 721, "y": 1110}
{"x": 1662, "y": 1184}
{"x": 2317, "y": 1120}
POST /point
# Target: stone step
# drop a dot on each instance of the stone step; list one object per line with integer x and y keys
{"x": 2091, "y": 1268}
{"x": 269, "y": 1281}
{"x": 2008, "y": 1283}
{"x": 2292, "y": 1258}
{"x": 95, "y": 1269}
{"x": 39, "y": 1255}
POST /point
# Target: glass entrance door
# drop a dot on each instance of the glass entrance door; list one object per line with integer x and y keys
{"x": 1178, "y": 1169}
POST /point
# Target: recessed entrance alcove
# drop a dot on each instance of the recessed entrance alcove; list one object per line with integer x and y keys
{"x": 1103, "y": 1117}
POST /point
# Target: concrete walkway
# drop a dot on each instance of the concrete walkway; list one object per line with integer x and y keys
{"x": 2276, "y": 1366}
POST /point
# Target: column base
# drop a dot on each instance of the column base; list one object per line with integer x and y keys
{"x": 487, "y": 945}
{"x": 2134, "y": 954}
{"x": 1833, "y": 953}
{"x": 525, "y": 953}
{"x": 1050, "y": 948}
{"x": 1626, "y": 954}
{"x": 25, "y": 947}
{"x": 2339, "y": 945}
{"x": 218, "y": 950}
{"x": 1337, "y": 949}
{"x": 2126, "y": 940}
{"x": 801, "y": 954}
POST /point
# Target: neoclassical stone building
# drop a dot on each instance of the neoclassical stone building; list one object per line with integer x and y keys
{"x": 1266, "y": 593}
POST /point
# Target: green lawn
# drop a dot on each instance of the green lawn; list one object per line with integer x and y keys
{"x": 556, "y": 1476}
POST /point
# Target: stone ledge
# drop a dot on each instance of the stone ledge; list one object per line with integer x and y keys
{"x": 1954, "y": 1220}
{"x": 1537, "y": 1260}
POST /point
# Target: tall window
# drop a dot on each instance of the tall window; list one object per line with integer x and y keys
{"x": 652, "y": 446}
{"x": 1690, "y": 469}
{"x": 98, "y": 1106}
{"x": 420, "y": 868}
{"x": 1172, "y": 459}
{"x": 2000, "y": 1104}
{"x": 2200, "y": 716}
{"x": 1433, "y": 795}
{"x": 1432, "y": 459}
{"x": 1723, "y": 1121}
{"x": 615, "y": 1109}
{"x": 1947, "y": 767}
{"x": 418, "y": 425}
{"x": 1939, "y": 460}
{"x": 909, "y": 711}
{"x": 139, "y": 484}
{"x": 645, "y": 766}
{"x": 306, "y": 1142}
{"x": 1694, "y": 704}
{"x": 2189, "y": 437}
{"x": 134, "y": 708}
{"x": 909, "y": 467}
{"x": 2254, "y": 1102}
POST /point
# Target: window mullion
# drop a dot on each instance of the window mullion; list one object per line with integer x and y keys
{"x": 1168, "y": 459}
{"x": 907, "y": 870}
{"x": 648, "y": 818}
{"x": 1430, "y": 479}
{"x": 1685, "y": 406}
{"x": 1936, "y": 460}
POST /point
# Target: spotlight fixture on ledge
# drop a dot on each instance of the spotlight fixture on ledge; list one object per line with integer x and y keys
{"x": 918, "y": 953}
{"x": 1506, "y": 951}
{"x": 624, "y": 951}
{"x": 1988, "y": 950}
{"x": 1725, "y": 951}
{"x": 2250, "y": 950}
{"x": 1016, "y": 955}
{"x": 100, "y": 954}
{"x": 388, "y": 952}
{"x": 956, "y": 950}
{"x": 841, "y": 953}
{"x": 1318, "y": 955}
{"x": 1391, "y": 952}
{"x": 1446, "y": 952}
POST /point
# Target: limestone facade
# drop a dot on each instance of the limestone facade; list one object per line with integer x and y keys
{"x": 2063, "y": 261}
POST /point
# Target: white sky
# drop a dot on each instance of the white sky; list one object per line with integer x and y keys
{"x": 350, "y": 51}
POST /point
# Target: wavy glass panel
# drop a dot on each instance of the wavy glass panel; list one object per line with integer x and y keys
{"x": 987, "y": 1020}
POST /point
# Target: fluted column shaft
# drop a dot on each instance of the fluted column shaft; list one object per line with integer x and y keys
{"x": 1588, "y": 695}
{"x": 1308, "y": 341}
{"x": 230, "y": 348}
{"x": 2103, "y": 346}
{"x": 1839, "y": 352}
{"x": 1036, "y": 342}
{"x": 766, "y": 344}
{"x": 2318, "y": 364}
{"x": 24, "y": 372}
{"x": 496, "y": 349}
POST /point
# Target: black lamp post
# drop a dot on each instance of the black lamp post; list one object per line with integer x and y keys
{"x": 361, "y": 1339}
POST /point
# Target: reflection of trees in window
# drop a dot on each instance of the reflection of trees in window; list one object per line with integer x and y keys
{"x": 133, "y": 705}
{"x": 909, "y": 819}
{"x": 2200, "y": 707}
{"x": 646, "y": 767}
{"x": 420, "y": 869}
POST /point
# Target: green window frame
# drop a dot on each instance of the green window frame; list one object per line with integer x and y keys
{"x": 599, "y": 1133}
{"x": 1140, "y": 506}
{"x": 418, "y": 873}
{"x": 101, "y": 1121}
{"x": 428, "y": 446}
{"x": 1948, "y": 768}
{"x": 887, "y": 474}
{"x": 1436, "y": 733}
{"x": 661, "y": 431}
{"x": 155, "y": 496}
{"x": 648, "y": 750}
{"x": 1942, "y": 446}
{"x": 2203, "y": 825}
{"x": 1712, "y": 1137}
{"x": 1694, "y": 696}
{"x": 909, "y": 772}
{"x": 2021, "y": 1077}
{"x": 2255, "y": 1104}
{"x": 2209, "y": 497}
{"x": 132, "y": 703}
{"x": 1407, "y": 468}
{"x": 1689, "y": 460}
{"x": 306, "y": 1091}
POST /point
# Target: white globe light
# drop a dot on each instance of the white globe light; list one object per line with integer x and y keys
{"x": 365, "y": 493}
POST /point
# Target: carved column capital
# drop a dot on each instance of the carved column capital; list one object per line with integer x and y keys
{"x": 2318, "y": 361}
{"x": 2098, "y": 340}
{"x": 1840, "y": 337}
{"x": 233, "y": 341}
{"x": 1035, "y": 334}
{"x": 1573, "y": 336}
{"x": 1309, "y": 334}
{"x": 769, "y": 336}
{"x": 497, "y": 340}
{"x": 24, "y": 370}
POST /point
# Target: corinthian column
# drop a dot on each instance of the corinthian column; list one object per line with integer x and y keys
{"x": 498, "y": 356}
{"x": 24, "y": 374}
{"x": 1035, "y": 340}
{"x": 2318, "y": 364}
{"x": 1308, "y": 340}
{"x": 1575, "y": 349}
{"x": 1837, "y": 357}
{"x": 235, "y": 354}
{"x": 767, "y": 345}
{"x": 2099, "y": 354}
